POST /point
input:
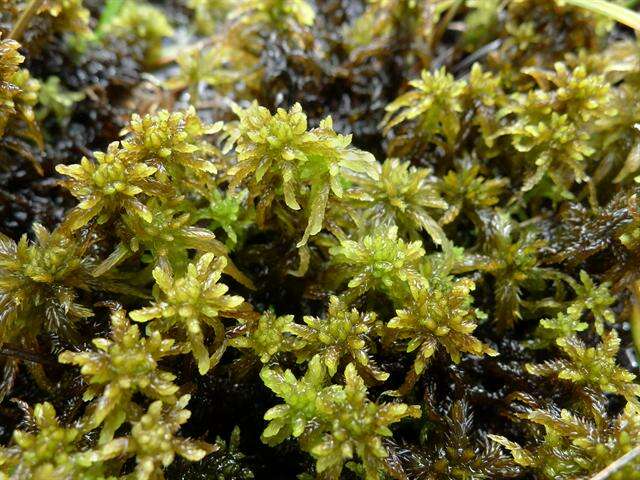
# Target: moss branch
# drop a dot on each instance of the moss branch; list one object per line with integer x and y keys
{"x": 23, "y": 22}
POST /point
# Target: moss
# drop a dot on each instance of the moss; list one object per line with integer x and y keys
{"x": 53, "y": 99}
{"x": 190, "y": 302}
{"x": 51, "y": 451}
{"x": 385, "y": 239}
{"x": 118, "y": 368}
{"x": 379, "y": 262}
{"x": 277, "y": 154}
{"x": 140, "y": 22}
{"x": 439, "y": 314}
{"x": 40, "y": 285}
{"x": 404, "y": 196}
{"x": 333, "y": 423}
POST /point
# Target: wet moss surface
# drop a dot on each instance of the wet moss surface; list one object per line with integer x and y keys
{"x": 282, "y": 239}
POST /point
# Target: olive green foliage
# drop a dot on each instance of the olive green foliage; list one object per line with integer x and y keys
{"x": 555, "y": 123}
{"x": 154, "y": 441}
{"x": 227, "y": 462}
{"x": 511, "y": 256}
{"x": 157, "y": 150}
{"x": 459, "y": 454}
{"x": 39, "y": 285}
{"x": 230, "y": 214}
{"x": 387, "y": 239}
{"x": 269, "y": 337}
{"x": 342, "y": 335}
{"x": 142, "y": 25}
{"x": 571, "y": 446}
{"x": 218, "y": 68}
{"x": 467, "y": 192}
{"x": 435, "y": 106}
{"x": 434, "y": 103}
{"x": 191, "y": 302}
{"x": 280, "y": 159}
{"x": 404, "y": 196}
{"x": 173, "y": 142}
{"x": 18, "y": 96}
{"x": 53, "y": 17}
{"x": 379, "y": 262}
{"x": 11, "y": 59}
{"x": 107, "y": 186}
{"x": 381, "y": 22}
{"x": 51, "y": 451}
{"x": 36, "y": 26}
{"x": 54, "y": 99}
{"x": 118, "y": 368}
{"x": 334, "y": 423}
{"x": 439, "y": 313}
{"x": 594, "y": 367}
{"x": 591, "y": 299}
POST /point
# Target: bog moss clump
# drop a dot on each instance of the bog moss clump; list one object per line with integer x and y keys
{"x": 332, "y": 239}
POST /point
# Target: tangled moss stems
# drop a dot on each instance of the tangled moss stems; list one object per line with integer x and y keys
{"x": 382, "y": 239}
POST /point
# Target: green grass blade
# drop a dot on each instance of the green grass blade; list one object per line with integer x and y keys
{"x": 616, "y": 12}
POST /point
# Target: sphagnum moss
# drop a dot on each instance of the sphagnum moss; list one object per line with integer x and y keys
{"x": 339, "y": 227}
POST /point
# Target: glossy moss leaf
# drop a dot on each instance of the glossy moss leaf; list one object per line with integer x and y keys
{"x": 573, "y": 446}
{"x": 511, "y": 256}
{"x": 106, "y": 186}
{"x": 335, "y": 423}
{"x": 270, "y": 337}
{"x": 358, "y": 428}
{"x": 10, "y": 60}
{"x": 455, "y": 452}
{"x": 595, "y": 299}
{"x": 173, "y": 142}
{"x": 154, "y": 440}
{"x": 434, "y": 104}
{"x": 466, "y": 191}
{"x": 39, "y": 283}
{"x": 552, "y": 126}
{"x": 299, "y": 395}
{"x": 168, "y": 236}
{"x": 229, "y": 213}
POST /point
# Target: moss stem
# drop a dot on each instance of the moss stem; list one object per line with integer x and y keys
{"x": 616, "y": 12}
{"x": 10, "y": 352}
{"x": 442, "y": 27}
{"x": 25, "y": 18}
